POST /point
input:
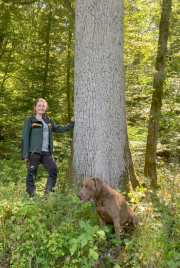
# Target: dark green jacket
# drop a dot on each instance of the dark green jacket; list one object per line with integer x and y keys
{"x": 32, "y": 134}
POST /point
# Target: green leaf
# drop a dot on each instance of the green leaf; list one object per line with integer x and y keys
{"x": 174, "y": 264}
{"x": 73, "y": 248}
{"x": 19, "y": 219}
{"x": 82, "y": 224}
{"x": 12, "y": 218}
{"x": 73, "y": 241}
{"x": 84, "y": 242}
{"x": 89, "y": 237}
{"x": 93, "y": 254}
{"x": 81, "y": 237}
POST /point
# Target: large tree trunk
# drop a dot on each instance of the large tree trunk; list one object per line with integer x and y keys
{"x": 69, "y": 75}
{"x": 150, "y": 156}
{"x": 100, "y": 134}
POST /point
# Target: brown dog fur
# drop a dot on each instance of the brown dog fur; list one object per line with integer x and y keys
{"x": 110, "y": 206}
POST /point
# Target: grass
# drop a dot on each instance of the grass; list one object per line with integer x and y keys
{"x": 58, "y": 231}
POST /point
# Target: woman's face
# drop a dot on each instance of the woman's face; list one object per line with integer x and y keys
{"x": 40, "y": 107}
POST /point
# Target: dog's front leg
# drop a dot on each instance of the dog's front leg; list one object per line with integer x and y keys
{"x": 117, "y": 228}
{"x": 101, "y": 222}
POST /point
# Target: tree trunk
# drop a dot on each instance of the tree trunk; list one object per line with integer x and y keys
{"x": 100, "y": 134}
{"x": 69, "y": 75}
{"x": 6, "y": 70}
{"x": 150, "y": 156}
{"x": 130, "y": 166}
{"x": 47, "y": 55}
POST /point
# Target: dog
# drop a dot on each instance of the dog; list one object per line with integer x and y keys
{"x": 110, "y": 206}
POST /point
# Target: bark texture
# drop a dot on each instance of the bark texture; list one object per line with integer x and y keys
{"x": 44, "y": 93}
{"x": 150, "y": 156}
{"x": 100, "y": 134}
{"x": 69, "y": 75}
{"x": 130, "y": 166}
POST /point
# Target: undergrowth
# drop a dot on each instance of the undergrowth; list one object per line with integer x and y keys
{"x": 58, "y": 231}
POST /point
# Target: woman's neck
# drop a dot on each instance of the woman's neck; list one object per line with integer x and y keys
{"x": 38, "y": 116}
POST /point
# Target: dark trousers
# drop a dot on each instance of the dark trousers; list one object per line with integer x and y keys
{"x": 48, "y": 162}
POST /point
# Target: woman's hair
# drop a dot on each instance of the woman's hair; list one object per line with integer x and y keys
{"x": 40, "y": 99}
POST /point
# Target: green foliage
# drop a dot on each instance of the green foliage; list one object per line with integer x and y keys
{"x": 58, "y": 231}
{"x": 84, "y": 244}
{"x": 141, "y": 39}
{"x": 39, "y": 231}
{"x": 36, "y": 58}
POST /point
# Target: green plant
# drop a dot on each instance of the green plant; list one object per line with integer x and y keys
{"x": 84, "y": 244}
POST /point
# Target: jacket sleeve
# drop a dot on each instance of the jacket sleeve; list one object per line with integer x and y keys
{"x": 25, "y": 139}
{"x": 59, "y": 128}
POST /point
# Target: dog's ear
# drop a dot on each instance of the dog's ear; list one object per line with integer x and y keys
{"x": 98, "y": 182}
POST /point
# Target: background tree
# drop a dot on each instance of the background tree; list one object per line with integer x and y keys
{"x": 141, "y": 44}
{"x": 100, "y": 134}
{"x": 150, "y": 156}
{"x": 35, "y": 51}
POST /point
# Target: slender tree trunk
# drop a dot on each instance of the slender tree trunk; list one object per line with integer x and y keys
{"x": 150, "y": 156}
{"x": 100, "y": 134}
{"x": 6, "y": 70}
{"x": 130, "y": 166}
{"x": 47, "y": 55}
{"x": 5, "y": 23}
{"x": 69, "y": 75}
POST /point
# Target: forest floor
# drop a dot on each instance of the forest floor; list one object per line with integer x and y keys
{"x": 58, "y": 231}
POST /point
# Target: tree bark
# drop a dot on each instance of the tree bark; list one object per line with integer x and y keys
{"x": 150, "y": 156}
{"x": 47, "y": 55}
{"x": 6, "y": 70}
{"x": 100, "y": 134}
{"x": 69, "y": 75}
{"x": 20, "y": 2}
{"x": 130, "y": 166}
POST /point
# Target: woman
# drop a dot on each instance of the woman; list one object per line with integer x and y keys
{"x": 37, "y": 145}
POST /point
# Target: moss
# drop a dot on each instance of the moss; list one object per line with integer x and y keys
{"x": 125, "y": 184}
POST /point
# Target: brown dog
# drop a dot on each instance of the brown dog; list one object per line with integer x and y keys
{"x": 110, "y": 206}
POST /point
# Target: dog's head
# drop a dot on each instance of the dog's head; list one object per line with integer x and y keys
{"x": 89, "y": 188}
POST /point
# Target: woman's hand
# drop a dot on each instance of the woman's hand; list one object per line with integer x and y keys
{"x": 26, "y": 159}
{"x": 73, "y": 119}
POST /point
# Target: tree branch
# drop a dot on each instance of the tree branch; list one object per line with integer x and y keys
{"x": 68, "y": 5}
{"x": 19, "y": 2}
